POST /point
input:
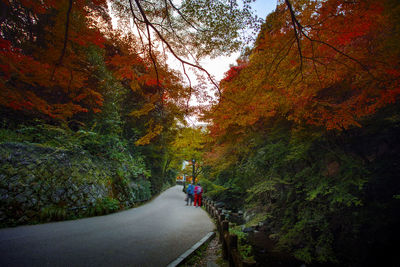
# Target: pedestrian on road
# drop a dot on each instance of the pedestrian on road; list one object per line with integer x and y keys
{"x": 198, "y": 192}
{"x": 190, "y": 193}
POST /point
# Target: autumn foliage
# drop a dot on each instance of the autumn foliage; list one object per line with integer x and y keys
{"x": 305, "y": 131}
{"x": 342, "y": 68}
{"x": 48, "y": 69}
{"x": 63, "y": 66}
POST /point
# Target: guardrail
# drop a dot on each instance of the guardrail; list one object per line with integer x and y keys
{"x": 229, "y": 241}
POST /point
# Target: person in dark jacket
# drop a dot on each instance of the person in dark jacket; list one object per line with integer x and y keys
{"x": 190, "y": 194}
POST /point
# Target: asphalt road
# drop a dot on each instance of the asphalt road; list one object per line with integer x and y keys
{"x": 154, "y": 234}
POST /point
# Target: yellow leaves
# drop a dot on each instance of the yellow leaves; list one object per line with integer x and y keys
{"x": 152, "y": 131}
{"x": 189, "y": 142}
{"x": 143, "y": 111}
{"x": 135, "y": 86}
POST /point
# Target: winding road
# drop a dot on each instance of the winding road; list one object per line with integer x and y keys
{"x": 154, "y": 234}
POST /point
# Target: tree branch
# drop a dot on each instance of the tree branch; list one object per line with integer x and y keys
{"x": 300, "y": 32}
{"x": 184, "y": 18}
{"x": 190, "y": 87}
{"x": 65, "y": 40}
{"x": 147, "y": 22}
{"x": 296, "y": 33}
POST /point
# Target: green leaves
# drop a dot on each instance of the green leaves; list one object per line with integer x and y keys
{"x": 323, "y": 192}
{"x": 219, "y": 23}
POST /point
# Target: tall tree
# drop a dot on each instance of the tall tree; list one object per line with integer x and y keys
{"x": 188, "y": 30}
{"x": 298, "y": 123}
{"x": 43, "y": 59}
{"x": 330, "y": 64}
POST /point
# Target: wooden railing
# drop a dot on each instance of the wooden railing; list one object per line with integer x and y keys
{"x": 229, "y": 241}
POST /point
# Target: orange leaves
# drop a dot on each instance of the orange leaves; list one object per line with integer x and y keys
{"x": 29, "y": 101}
{"x": 28, "y": 72}
{"x": 344, "y": 72}
{"x": 124, "y": 66}
{"x": 65, "y": 111}
{"x": 60, "y": 60}
{"x": 151, "y": 82}
{"x": 96, "y": 110}
{"x": 36, "y": 80}
{"x": 131, "y": 67}
{"x": 90, "y": 37}
{"x": 80, "y": 97}
{"x": 356, "y": 22}
{"x": 14, "y": 63}
{"x": 233, "y": 72}
{"x": 89, "y": 98}
{"x": 97, "y": 97}
{"x": 20, "y": 105}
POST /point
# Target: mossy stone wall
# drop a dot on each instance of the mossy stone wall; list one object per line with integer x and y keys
{"x": 40, "y": 183}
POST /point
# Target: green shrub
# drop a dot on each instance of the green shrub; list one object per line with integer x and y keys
{"x": 104, "y": 206}
{"x": 53, "y": 213}
{"x": 244, "y": 248}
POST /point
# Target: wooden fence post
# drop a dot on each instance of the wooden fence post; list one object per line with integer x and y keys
{"x": 229, "y": 242}
{"x": 234, "y": 255}
{"x": 225, "y": 237}
{"x": 233, "y": 241}
{"x": 222, "y": 217}
{"x": 221, "y": 232}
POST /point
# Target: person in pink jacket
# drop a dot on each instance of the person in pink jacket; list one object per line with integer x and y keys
{"x": 198, "y": 192}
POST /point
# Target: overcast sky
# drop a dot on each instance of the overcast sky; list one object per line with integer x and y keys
{"x": 218, "y": 66}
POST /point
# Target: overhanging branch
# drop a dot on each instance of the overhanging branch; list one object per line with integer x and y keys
{"x": 150, "y": 25}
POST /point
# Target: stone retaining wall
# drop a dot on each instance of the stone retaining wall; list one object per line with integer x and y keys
{"x": 40, "y": 183}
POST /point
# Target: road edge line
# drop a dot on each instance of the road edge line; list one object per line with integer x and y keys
{"x": 190, "y": 251}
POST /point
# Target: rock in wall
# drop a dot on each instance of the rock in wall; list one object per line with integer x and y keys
{"x": 39, "y": 183}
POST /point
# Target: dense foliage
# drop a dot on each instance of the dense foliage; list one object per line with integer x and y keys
{"x": 306, "y": 131}
{"x": 75, "y": 87}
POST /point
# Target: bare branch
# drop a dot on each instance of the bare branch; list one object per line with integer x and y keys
{"x": 315, "y": 66}
{"x": 184, "y": 18}
{"x": 190, "y": 86}
{"x": 151, "y": 53}
{"x": 149, "y": 24}
{"x": 297, "y": 32}
{"x": 340, "y": 52}
{"x": 149, "y": 40}
{"x": 180, "y": 41}
{"x": 134, "y": 21}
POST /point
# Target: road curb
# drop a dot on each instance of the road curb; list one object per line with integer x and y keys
{"x": 190, "y": 251}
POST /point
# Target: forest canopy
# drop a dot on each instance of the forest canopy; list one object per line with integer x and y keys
{"x": 304, "y": 131}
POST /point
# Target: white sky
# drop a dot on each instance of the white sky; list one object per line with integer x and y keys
{"x": 218, "y": 66}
